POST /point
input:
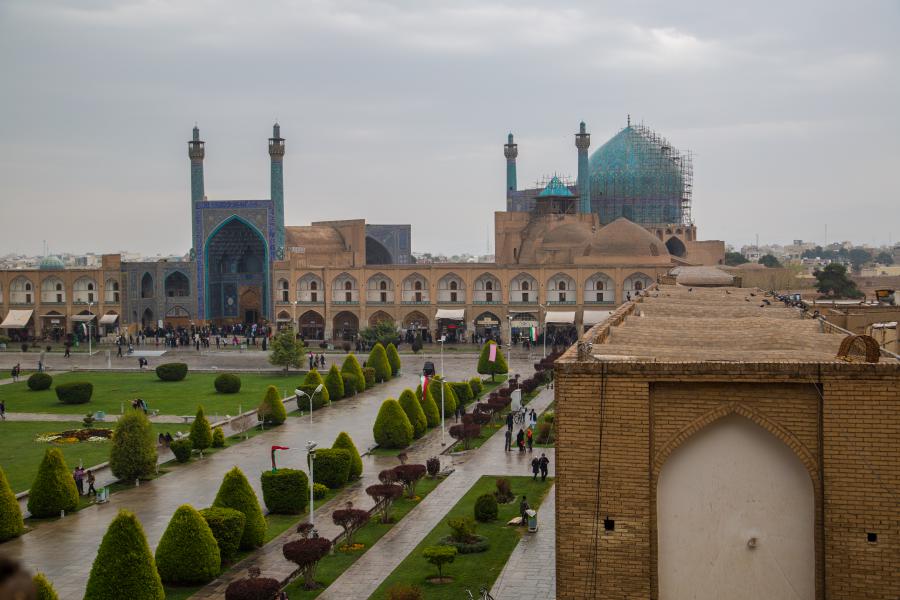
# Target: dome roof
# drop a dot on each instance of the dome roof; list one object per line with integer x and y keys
{"x": 556, "y": 188}
{"x": 570, "y": 234}
{"x": 315, "y": 239}
{"x": 624, "y": 238}
{"x": 51, "y": 263}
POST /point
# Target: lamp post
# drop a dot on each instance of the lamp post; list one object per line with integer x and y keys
{"x": 311, "y": 455}
{"x": 443, "y": 338}
{"x": 300, "y": 392}
{"x": 509, "y": 348}
{"x": 544, "y": 328}
{"x": 91, "y": 311}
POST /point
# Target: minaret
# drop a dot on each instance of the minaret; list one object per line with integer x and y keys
{"x": 276, "y": 153}
{"x": 583, "y": 142}
{"x": 511, "y": 151}
{"x": 196, "y": 151}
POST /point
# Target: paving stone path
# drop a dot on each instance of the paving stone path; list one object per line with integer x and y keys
{"x": 530, "y": 573}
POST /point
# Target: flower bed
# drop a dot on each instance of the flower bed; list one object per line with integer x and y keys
{"x": 74, "y": 436}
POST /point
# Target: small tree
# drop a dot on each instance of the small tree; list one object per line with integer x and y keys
{"x": 833, "y": 281}
{"x": 187, "y": 552}
{"x": 378, "y": 360}
{"x": 409, "y": 476}
{"x": 287, "y": 350}
{"x": 44, "y": 588}
{"x": 859, "y": 257}
{"x": 133, "y": 453}
{"x": 392, "y": 428}
{"x": 236, "y": 493}
{"x": 271, "y": 411}
{"x": 54, "y": 488}
{"x": 383, "y": 332}
{"x": 465, "y": 433}
{"x": 769, "y": 261}
{"x": 334, "y": 383}
{"x": 489, "y": 367}
{"x": 306, "y": 554}
{"x": 345, "y": 442}
{"x": 124, "y": 567}
{"x": 351, "y": 365}
{"x": 350, "y": 520}
{"x": 11, "y": 522}
{"x": 733, "y": 259}
{"x": 413, "y": 409}
{"x": 884, "y": 258}
{"x": 383, "y": 495}
{"x": 440, "y": 556}
{"x": 393, "y": 359}
{"x": 201, "y": 433}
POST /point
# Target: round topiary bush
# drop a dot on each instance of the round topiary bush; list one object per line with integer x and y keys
{"x": 187, "y": 552}
{"x": 124, "y": 567}
{"x": 11, "y": 523}
{"x": 486, "y": 509}
{"x": 319, "y": 399}
{"x": 54, "y": 488}
{"x": 227, "y": 383}
{"x": 227, "y": 526}
{"x": 235, "y": 492}
{"x": 39, "y": 381}
{"x": 75, "y": 392}
{"x": 331, "y": 467}
{"x": 255, "y": 588}
{"x": 285, "y": 491}
{"x": 319, "y": 491}
{"x": 345, "y": 442}
{"x": 218, "y": 439}
{"x": 392, "y": 428}
{"x": 182, "y": 449}
{"x": 172, "y": 371}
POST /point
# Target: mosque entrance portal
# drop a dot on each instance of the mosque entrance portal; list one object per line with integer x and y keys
{"x": 237, "y": 268}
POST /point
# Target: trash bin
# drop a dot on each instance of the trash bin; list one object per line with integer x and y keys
{"x": 532, "y": 520}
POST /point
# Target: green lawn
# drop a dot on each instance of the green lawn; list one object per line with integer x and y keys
{"x": 111, "y": 390}
{"x": 333, "y": 565}
{"x": 469, "y": 570}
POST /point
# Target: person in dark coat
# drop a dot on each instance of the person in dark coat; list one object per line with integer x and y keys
{"x": 523, "y": 506}
{"x": 520, "y": 441}
{"x": 544, "y": 463}
{"x": 535, "y": 467}
{"x": 509, "y": 420}
{"x": 508, "y": 440}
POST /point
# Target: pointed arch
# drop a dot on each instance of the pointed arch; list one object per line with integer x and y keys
{"x": 222, "y": 262}
{"x": 147, "y": 287}
{"x": 176, "y": 285}
{"x": 379, "y": 317}
{"x": 311, "y": 325}
{"x": 676, "y": 247}
{"x": 561, "y": 289}
{"x": 599, "y": 288}
{"x": 451, "y": 289}
{"x": 415, "y": 289}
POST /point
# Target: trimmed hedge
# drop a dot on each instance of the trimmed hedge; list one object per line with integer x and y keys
{"x": 124, "y": 567}
{"x": 378, "y": 360}
{"x": 39, "y": 381}
{"x": 392, "y": 428}
{"x": 463, "y": 391}
{"x": 393, "y": 359}
{"x": 349, "y": 384}
{"x": 319, "y": 491}
{"x": 227, "y": 383}
{"x": 486, "y": 509}
{"x": 235, "y": 492}
{"x": 334, "y": 383}
{"x": 187, "y": 552}
{"x": 271, "y": 411}
{"x": 331, "y": 467}
{"x": 369, "y": 377}
{"x": 133, "y": 452}
{"x": 285, "y": 491}
{"x": 430, "y": 408}
{"x": 201, "y": 432}
{"x": 227, "y": 526}
{"x": 172, "y": 371}
{"x": 182, "y": 449}
{"x": 319, "y": 400}
{"x": 477, "y": 387}
{"x": 11, "y": 522}
{"x": 218, "y": 438}
{"x": 44, "y": 588}
{"x": 54, "y": 488}
{"x": 75, "y": 392}
{"x": 413, "y": 409}
{"x": 434, "y": 386}
{"x": 313, "y": 378}
{"x": 345, "y": 442}
{"x": 256, "y": 588}
{"x": 351, "y": 366}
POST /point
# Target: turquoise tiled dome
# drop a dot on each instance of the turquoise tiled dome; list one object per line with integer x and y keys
{"x": 51, "y": 263}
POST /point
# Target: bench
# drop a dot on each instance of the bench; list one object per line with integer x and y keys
{"x": 187, "y": 418}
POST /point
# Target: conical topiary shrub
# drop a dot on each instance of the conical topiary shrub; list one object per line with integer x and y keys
{"x": 413, "y": 409}
{"x": 124, "y": 567}
{"x": 11, "y": 523}
{"x": 430, "y": 408}
{"x": 187, "y": 552}
{"x": 44, "y": 588}
{"x": 497, "y": 367}
{"x": 378, "y": 360}
{"x": 344, "y": 441}
{"x": 235, "y": 492}
{"x": 351, "y": 365}
{"x": 392, "y": 428}
{"x": 312, "y": 379}
{"x": 133, "y": 453}
{"x": 435, "y": 385}
{"x": 334, "y": 383}
{"x": 54, "y": 488}
{"x": 393, "y": 359}
{"x": 201, "y": 433}
{"x": 271, "y": 411}
{"x": 227, "y": 526}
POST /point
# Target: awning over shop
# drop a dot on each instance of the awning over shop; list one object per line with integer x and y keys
{"x": 592, "y": 317}
{"x": 454, "y": 314}
{"x": 16, "y": 319}
{"x": 560, "y": 317}
{"x": 109, "y": 319}
{"x": 82, "y": 318}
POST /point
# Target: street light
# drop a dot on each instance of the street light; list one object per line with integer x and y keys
{"x": 300, "y": 392}
{"x": 91, "y": 312}
{"x": 544, "y": 329}
{"x": 509, "y": 348}
{"x": 311, "y": 455}
{"x": 442, "y": 340}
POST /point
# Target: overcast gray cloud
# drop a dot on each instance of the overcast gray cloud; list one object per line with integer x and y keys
{"x": 396, "y": 111}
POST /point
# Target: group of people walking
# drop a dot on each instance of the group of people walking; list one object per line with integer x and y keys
{"x": 82, "y": 475}
{"x": 525, "y": 441}
{"x": 316, "y": 361}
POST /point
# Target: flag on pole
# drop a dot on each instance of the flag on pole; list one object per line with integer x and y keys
{"x": 533, "y": 333}
{"x": 492, "y": 355}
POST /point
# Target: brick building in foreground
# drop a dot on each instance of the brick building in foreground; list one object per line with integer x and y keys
{"x": 713, "y": 446}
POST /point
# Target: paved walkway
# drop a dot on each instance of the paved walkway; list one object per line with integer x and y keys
{"x": 367, "y": 573}
{"x": 65, "y": 549}
{"x": 530, "y": 573}
{"x": 21, "y": 416}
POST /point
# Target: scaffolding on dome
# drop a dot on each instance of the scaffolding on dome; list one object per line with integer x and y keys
{"x": 639, "y": 175}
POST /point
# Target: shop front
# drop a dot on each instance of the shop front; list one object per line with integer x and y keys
{"x": 487, "y": 326}
{"x": 451, "y": 323}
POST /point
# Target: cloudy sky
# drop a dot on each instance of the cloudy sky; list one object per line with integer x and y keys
{"x": 397, "y": 110}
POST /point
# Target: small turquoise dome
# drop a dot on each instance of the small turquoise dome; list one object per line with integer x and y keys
{"x": 51, "y": 263}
